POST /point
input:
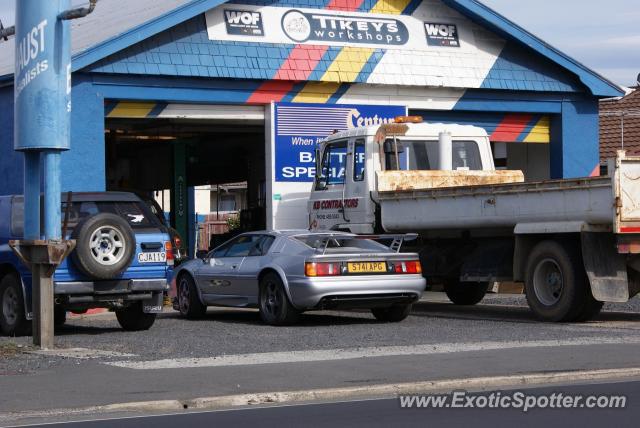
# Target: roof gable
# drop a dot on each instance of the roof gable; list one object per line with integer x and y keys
{"x": 476, "y": 11}
{"x": 109, "y": 30}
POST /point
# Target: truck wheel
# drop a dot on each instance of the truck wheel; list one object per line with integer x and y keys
{"x": 12, "y": 317}
{"x": 591, "y": 309}
{"x": 132, "y": 318}
{"x": 188, "y": 301}
{"x": 466, "y": 293}
{"x": 395, "y": 313}
{"x": 556, "y": 284}
{"x": 275, "y": 308}
{"x": 105, "y": 246}
{"x": 59, "y": 315}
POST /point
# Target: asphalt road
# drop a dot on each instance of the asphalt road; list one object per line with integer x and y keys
{"x": 232, "y": 352}
{"x": 388, "y": 412}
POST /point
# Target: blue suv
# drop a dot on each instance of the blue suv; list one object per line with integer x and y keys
{"x": 122, "y": 260}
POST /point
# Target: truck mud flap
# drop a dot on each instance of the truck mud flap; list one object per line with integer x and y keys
{"x": 606, "y": 269}
{"x": 153, "y": 305}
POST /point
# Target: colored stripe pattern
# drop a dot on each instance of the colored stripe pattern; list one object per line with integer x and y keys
{"x": 329, "y": 67}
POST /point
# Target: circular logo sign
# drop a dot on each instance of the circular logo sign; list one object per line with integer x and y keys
{"x": 296, "y": 26}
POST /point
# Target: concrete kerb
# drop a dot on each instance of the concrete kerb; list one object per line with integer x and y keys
{"x": 338, "y": 394}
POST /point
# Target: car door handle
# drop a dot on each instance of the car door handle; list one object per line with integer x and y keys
{"x": 234, "y": 266}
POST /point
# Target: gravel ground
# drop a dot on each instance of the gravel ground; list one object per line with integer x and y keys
{"x": 232, "y": 331}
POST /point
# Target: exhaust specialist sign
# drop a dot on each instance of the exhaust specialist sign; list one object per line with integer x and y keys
{"x": 268, "y": 24}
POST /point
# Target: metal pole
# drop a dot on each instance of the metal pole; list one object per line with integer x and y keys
{"x": 42, "y": 93}
{"x": 52, "y": 202}
{"x": 31, "y": 195}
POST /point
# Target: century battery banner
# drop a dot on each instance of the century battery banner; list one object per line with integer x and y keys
{"x": 300, "y": 127}
{"x": 268, "y": 24}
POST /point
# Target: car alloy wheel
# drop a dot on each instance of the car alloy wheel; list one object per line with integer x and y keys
{"x": 184, "y": 296}
{"x": 107, "y": 245}
{"x": 272, "y": 299}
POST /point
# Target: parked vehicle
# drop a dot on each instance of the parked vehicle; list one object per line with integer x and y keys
{"x": 285, "y": 273}
{"x": 120, "y": 262}
{"x": 179, "y": 254}
{"x": 575, "y": 243}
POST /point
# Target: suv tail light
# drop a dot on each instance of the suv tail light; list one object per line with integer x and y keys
{"x": 168, "y": 249}
{"x": 322, "y": 269}
{"x": 411, "y": 266}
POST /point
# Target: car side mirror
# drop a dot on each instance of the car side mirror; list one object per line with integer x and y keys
{"x": 321, "y": 183}
{"x": 201, "y": 254}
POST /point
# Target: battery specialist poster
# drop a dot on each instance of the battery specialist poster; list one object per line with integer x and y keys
{"x": 299, "y": 128}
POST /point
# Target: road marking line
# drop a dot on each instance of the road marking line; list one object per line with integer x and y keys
{"x": 347, "y": 354}
{"x": 81, "y": 353}
{"x": 355, "y": 393}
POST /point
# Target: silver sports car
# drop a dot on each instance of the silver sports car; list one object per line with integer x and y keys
{"x": 284, "y": 273}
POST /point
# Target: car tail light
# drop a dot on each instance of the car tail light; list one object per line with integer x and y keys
{"x": 412, "y": 266}
{"x": 168, "y": 249}
{"x": 177, "y": 242}
{"x": 322, "y": 269}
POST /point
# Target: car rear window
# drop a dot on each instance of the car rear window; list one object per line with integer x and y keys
{"x": 342, "y": 245}
{"x": 135, "y": 212}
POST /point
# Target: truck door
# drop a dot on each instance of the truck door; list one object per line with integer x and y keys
{"x": 355, "y": 199}
{"x": 327, "y": 207}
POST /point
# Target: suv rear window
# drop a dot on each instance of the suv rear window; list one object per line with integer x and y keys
{"x": 133, "y": 212}
{"x": 136, "y": 213}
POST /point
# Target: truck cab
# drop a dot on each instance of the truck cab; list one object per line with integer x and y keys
{"x": 353, "y": 164}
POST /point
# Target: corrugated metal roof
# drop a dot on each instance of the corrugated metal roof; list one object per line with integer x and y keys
{"x": 110, "y": 19}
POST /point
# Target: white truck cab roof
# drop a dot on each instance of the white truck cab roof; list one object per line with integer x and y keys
{"x": 423, "y": 129}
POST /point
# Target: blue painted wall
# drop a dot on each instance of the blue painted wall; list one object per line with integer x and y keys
{"x": 83, "y": 167}
{"x": 11, "y": 162}
{"x": 522, "y": 69}
{"x": 574, "y": 139}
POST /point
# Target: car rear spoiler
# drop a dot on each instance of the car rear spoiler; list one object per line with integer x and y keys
{"x": 396, "y": 239}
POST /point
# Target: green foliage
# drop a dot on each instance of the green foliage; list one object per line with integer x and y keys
{"x": 233, "y": 222}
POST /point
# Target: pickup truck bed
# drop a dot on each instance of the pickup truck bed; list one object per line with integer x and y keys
{"x": 604, "y": 204}
{"x": 585, "y": 200}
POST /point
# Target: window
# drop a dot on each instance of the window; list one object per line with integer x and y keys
{"x": 334, "y": 163}
{"x": 227, "y": 203}
{"x": 423, "y": 156}
{"x": 262, "y": 246}
{"x": 342, "y": 244}
{"x": 137, "y": 214}
{"x": 239, "y": 247}
{"x": 358, "y": 161}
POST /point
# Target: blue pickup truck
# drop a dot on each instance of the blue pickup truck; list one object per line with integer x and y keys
{"x": 122, "y": 260}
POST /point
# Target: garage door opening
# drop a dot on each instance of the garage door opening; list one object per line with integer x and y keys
{"x": 206, "y": 174}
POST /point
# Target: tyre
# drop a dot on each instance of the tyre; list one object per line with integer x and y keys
{"x": 275, "y": 307}
{"x": 13, "y": 321}
{"x": 59, "y": 315}
{"x": 556, "y": 284}
{"x": 591, "y": 308}
{"x": 188, "y": 300}
{"x": 395, "y": 313}
{"x": 132, "y": 318}
{"x": 466, "y": 293}
{"x": 105, "y": 246}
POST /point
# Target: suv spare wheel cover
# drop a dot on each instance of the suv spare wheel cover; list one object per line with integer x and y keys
{"x": 105, "y": 246}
